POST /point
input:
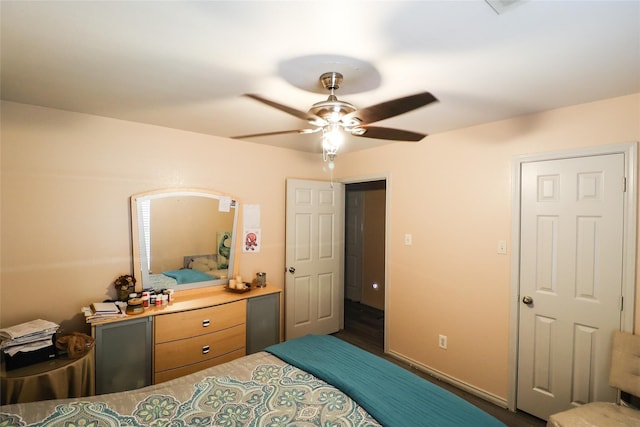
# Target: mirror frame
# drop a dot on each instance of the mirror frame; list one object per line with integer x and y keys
{"x": 137, "y": 236}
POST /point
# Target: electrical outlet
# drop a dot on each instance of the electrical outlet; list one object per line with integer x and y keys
{"x": 442, "y": 341}
{"x": 408, "y": 239}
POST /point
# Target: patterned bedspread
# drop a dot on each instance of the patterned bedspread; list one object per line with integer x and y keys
{"x": 258, "y": 390}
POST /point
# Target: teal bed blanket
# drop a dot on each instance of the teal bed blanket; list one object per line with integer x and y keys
{"x": 392, "y": 395}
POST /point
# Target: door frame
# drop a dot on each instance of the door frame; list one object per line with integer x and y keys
{"x": 387, "y": 178}
{"x": 629, "y": 244}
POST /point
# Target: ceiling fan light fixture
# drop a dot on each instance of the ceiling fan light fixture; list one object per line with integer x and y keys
{"x": 332, "y": 138}
{"x": 358, "y": 131}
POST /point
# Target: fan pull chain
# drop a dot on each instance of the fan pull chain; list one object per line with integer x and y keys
{"x": 331, "y": 166}
{"x": 331, "y": 171}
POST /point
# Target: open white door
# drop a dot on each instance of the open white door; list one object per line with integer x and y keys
{"x": 314, "y": 257}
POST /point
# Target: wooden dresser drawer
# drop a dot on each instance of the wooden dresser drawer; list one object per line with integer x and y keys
{"x": 171, "y": 355}
{"x": 185, "y": 324}
{"x": 190, "y": 369}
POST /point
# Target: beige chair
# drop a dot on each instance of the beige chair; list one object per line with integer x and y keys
{"x": 625, "y": 376}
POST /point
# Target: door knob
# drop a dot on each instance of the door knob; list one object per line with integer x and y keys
{"x": 292, "y": 270}
{"x": 527, "y": 300}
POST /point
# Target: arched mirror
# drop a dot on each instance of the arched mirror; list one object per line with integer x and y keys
{"x": 183, "y": 238}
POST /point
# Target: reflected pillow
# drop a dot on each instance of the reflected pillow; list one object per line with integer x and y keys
{"x": 203, "y": 264}
{"x": 200, "y": 266}
{"x": 205, "y": 260}
{"x": 187, "y": 276}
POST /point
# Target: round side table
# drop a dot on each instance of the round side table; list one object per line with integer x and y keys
{"x": 57, "y": 378}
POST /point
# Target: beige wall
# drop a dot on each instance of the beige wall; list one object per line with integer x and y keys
{"x": 66, "y": 183}
{"x": 452, "y": 192}
{"x": 66, "y": 180}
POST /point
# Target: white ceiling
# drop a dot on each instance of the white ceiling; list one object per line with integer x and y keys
{"x": 185, "y": 64}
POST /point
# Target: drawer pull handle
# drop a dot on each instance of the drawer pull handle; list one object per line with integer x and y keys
{"x": 205, "y": 323}
{"x": 205, "y": 349}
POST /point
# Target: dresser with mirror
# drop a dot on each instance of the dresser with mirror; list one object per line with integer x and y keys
{"x": 185, "y": 240}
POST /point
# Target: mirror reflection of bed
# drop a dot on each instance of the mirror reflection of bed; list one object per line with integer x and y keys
{"x": 183, "y": 238}
{"x": 195, "y": 268}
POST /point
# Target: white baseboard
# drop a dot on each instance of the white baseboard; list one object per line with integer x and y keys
{"x": 483, "y": 394}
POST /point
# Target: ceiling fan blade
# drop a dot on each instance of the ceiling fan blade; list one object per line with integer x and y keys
{"x": 378, "y": 132}
{"x": 289, "y": 110}
{"x": 280, "y": 132}
{"x": 391, "y": 108}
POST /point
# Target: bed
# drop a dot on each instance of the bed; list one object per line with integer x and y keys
{"x": 316, "y": 380}
{"x": 195, "y": 268}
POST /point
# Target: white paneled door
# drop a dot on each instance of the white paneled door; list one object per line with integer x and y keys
{"x": 571, "y": 260}
{"x": 314, "y": 257}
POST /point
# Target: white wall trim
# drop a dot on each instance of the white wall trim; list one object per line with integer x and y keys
{"x": 629, "y": 243}
{"x": 387, "y": 214}
{"x": 483, "y": 394}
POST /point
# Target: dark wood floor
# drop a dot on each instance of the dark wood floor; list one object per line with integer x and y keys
{"x": 364, "y": 327}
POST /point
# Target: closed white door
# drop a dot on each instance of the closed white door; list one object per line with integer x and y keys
{"x": 314, "y": 258}
{"x": 571, "y": 253}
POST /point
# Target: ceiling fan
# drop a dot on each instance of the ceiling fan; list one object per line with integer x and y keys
{"x": 334, "y": 117}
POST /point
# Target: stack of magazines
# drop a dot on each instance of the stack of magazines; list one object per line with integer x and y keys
{"x": 27, "y": 337}
{"x": 99, "y": 311}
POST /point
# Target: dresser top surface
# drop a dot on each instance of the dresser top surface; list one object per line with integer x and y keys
{"x": 197, "y": 298}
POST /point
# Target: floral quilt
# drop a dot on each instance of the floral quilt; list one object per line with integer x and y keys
{"x": 258, "y": 390}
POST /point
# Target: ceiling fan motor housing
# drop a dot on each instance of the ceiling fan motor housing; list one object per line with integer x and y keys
{"x": 332, "y": 110}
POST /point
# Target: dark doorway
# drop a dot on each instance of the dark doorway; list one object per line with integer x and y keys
{"x": 365, "y": 270}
